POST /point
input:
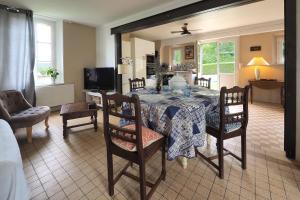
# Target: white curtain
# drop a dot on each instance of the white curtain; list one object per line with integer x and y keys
{"x": 17, "y": 51}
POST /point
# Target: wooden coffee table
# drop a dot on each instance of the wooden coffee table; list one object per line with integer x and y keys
{"x": 78, "y": 110}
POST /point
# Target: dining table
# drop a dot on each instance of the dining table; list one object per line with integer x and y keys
{"x": 179, "y": 115}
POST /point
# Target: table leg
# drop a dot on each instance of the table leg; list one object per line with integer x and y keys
{"x": 282, "y": 96}
{"x": 251, "y": 94}
{"x": 95, "y": 121}
{"x": 65, "y": 131}
{"x": 183, "y": 161}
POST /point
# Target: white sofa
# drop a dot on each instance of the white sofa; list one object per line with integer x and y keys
{"x": 13, "y": 185}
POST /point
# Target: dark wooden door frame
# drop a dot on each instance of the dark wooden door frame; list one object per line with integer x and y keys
{"x": 290, "y": 26}
{"x": 211, "y": 5}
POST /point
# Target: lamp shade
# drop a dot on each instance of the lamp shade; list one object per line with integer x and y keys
{"x": 258, "y": 61}
{"x": 122, "y": 69}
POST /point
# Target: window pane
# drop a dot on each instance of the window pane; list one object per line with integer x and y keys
{"x": 209, "y": 69}
{"x": 43, "y": 33}
{"x": 227, "y": 47}
{"x": 209, "y": 52}
{"x": 227, "y": 67}
{"x": 41, "y": 77}
{"x": 177, "y": 57}
{"x": 42, "y": 67}
{"x": 226, "y": 57}
{"x": 44, "y": 52}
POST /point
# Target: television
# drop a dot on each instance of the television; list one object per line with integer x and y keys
{"x": 99, "y": 78}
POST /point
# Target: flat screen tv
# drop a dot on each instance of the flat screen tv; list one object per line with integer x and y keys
{"x": 99, "y": 78}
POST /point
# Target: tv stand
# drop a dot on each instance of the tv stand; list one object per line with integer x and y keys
{"x": 95, "y": 96}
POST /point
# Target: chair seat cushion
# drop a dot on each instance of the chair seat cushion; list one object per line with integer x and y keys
{"x": 30, "y": 116}
{"x": 148, "y": 136}
{"x": 213, "y": 120}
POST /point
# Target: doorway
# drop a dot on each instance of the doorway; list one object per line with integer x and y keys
{"x": 210, "y": 5}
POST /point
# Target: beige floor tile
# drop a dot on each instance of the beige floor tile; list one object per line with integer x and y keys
{"x": 59, "y": 196}
{"x": 231, "y": 196}
{"x": 41, "y": 196}
{"x": 76, "y": 168}
{"x": 70, "y": 189}
{"x": 187, "y": 193}
{"x": 77, "y": 194}
{"x": 170, "y": 194}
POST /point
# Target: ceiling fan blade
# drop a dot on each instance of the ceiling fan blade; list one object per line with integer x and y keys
{"x": 196, "y": 30}
{"x": 176, "y": 32}
{"x": 186, "y": 33}
{"x": 184, "y": 28}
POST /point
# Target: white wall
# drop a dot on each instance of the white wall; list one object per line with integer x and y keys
{"x": 298, "y": 85}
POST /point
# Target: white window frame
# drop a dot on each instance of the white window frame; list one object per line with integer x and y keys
{"x": 235, "y": 40}
{"x": 173, "y": 57}
{"x": 279, "y": 50}
{"x": 53, "y": 25}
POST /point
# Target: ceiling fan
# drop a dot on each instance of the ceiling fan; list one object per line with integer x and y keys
{"x": 185, "y": 30}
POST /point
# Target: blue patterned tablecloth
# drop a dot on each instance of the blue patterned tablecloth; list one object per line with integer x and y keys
{"x": 180, "y": 118}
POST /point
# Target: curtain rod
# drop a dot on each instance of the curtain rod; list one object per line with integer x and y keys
{"x": 15, "y": 10}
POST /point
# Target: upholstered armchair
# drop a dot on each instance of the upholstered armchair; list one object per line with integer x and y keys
{"x": 19, "y": 113}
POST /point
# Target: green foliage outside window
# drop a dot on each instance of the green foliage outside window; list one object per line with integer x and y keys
{"x": 211, "y": 55}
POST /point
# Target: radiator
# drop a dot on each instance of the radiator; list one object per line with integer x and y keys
{"x": 54, "y": 95}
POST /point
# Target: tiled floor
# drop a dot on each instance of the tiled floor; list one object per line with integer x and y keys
{"x": 76, "y": 168}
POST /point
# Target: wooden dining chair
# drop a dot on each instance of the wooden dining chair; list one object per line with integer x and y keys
{"x": 203, "y": 82}
{"x": 223, "y": 124}
{"x": 137, "y": 83}
{"x": 132, "y": 142}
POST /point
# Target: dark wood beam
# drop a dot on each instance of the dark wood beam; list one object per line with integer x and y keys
{"x": 179, "y": 14}
{"x": 290, "y": 114}
{"x": 118, "y": 55}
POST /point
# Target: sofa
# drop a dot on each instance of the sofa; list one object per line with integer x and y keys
{"x": 19, "y": 113}
{"x": 13, "y": 185}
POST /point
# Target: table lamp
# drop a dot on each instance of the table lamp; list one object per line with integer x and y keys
{"x": 258, "y": 61}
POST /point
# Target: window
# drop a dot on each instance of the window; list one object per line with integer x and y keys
{"x": 45, "y": 55}
{"x": 217, "y": 61}
{"x": 177, "y": 56}
{"x": 280, "y": 50}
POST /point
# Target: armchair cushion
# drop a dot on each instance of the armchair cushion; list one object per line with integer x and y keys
{"x": 18, "y": 112}
{"x": 29, "y": 117}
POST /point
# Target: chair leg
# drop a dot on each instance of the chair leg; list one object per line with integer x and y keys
{"x": 163, "y": 161}
{"x": 110, "y": 174}
{"x": 142, "y": 181}
{"x": 29, "y": 134}
{"x": 244, "y": 151}
{"x": 46, "y": 122}
{"x": 221, "y": 158}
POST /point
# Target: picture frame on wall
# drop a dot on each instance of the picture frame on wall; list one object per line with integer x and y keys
{"x": 189, "y": 52}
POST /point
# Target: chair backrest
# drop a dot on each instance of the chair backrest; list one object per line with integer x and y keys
{"x": 203, "y": 82}
{"x": 12, "y": 101}
{"x": 234, "y": 97}
{"x": 137, "y": 83}
{"x": 125, "y": 108}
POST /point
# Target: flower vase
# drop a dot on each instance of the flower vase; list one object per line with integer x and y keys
{"x": 53, "y": 81}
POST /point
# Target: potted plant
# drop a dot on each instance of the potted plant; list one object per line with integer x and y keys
{"x": 53, "y": 73}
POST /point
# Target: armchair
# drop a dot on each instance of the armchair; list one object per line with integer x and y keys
{"x": 19, "y": 113}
